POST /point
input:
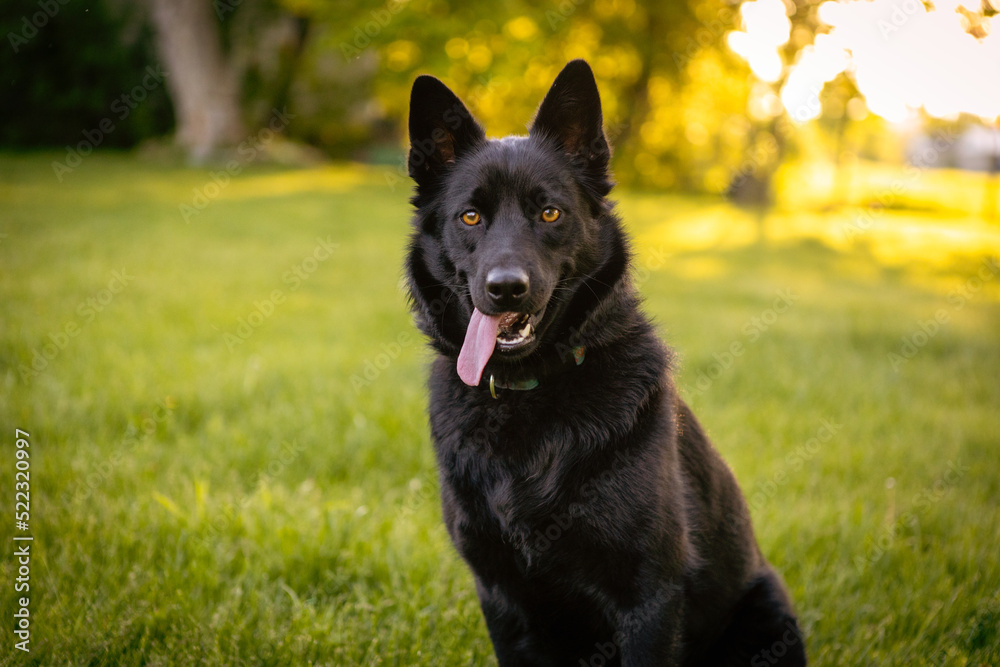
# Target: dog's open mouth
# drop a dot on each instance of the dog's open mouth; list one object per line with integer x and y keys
{"x": 515, "y": 330}
{"x": 506, "y": 333}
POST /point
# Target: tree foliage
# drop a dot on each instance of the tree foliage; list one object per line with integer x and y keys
{"x": 674, "y": 98}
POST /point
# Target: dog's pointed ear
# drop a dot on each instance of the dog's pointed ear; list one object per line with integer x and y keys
{"x": 441, "y": 130}
{"x": 571, "y": 116}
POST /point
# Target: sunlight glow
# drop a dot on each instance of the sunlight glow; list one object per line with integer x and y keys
{"x": 766, "y": 28}
{"x": 894, "y": 239}
{"x": 817, "y": 63}
{"x": 902, "y": 55}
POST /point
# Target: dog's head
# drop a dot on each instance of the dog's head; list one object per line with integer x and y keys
{"x": 509, "y": 232}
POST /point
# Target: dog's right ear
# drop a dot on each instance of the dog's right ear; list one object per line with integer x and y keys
{"x": 441, "y": 130}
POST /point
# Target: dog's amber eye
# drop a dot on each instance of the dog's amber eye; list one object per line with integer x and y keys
{"x": 470, "y": 218}
{"x": 550, "y": 214}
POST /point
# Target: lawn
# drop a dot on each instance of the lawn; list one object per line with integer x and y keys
{"x": 229, "y": 456}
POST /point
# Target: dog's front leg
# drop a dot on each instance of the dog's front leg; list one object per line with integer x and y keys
{"x": 649, "y": 633}
{"x": 510, "y": 630}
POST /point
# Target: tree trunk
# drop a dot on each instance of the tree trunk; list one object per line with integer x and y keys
{"x": 288, "y": 60}
{"x": 202, "y": 83}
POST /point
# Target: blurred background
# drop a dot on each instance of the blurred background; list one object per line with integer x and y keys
{"x": 707, "y": 96}
{"x": 204, "y": 330}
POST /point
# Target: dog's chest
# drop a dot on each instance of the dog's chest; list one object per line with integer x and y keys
{"x": 518, "y": 504}
{"x": 506, "y": 518}
{"x": 513, "y": 488}
{"x": 517, "y": 513}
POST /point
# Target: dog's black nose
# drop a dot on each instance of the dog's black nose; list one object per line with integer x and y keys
{"x": 507, "y": 286}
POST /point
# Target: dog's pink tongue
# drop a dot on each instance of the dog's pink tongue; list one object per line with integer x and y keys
{"x": 480, "y": 339}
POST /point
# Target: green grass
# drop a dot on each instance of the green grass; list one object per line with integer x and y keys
{"x": 200, "y": 498}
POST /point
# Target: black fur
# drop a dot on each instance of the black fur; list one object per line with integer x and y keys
{"x": 599, "y": 523}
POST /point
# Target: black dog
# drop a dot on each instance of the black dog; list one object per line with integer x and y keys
{"x": 600, "y": 525}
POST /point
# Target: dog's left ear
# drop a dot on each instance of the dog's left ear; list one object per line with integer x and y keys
{"x": 571, "y": 115}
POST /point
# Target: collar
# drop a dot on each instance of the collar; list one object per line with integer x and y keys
{"x": 528, "y": 382}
